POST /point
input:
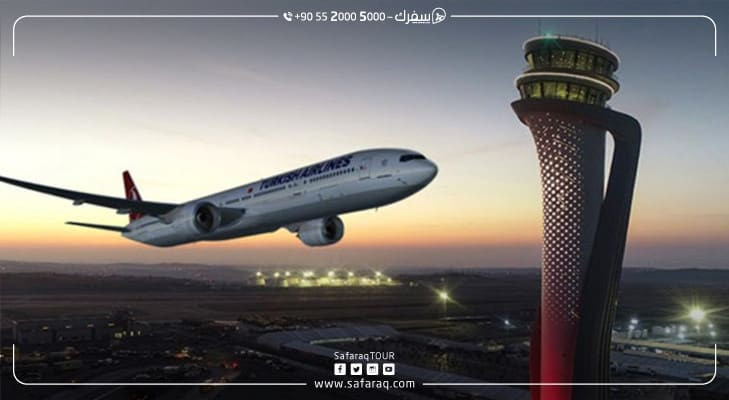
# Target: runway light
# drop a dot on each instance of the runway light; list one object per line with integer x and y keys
{"x": 331, "y": 274}
{"x": 287, "y": 273}
{"x": 697, "y": 314}
{"x": 350, "y": 274}
{"x": 276, "y": 275}
{"x": 444, "y": 296}
{"x": 378, "y": 274}
{"x": 258, "y": 274}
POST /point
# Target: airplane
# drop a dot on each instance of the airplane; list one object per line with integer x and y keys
{"x": 306, "y": 201}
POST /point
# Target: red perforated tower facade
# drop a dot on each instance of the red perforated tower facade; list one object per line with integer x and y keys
{"x": 564, "y": 91}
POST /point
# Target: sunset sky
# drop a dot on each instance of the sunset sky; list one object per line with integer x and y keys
{"x": 192, "y": 107}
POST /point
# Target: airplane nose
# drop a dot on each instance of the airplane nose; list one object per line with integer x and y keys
{"x": 433, "y": 170}
{"x": 425, "y": 172}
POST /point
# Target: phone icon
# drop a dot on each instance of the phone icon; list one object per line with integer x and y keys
{"x": 287, "y": 16}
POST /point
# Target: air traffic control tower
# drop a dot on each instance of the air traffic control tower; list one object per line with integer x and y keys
{"x": 564, "y": 91}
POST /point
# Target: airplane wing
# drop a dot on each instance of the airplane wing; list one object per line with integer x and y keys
{"x": 97, "y": 226}
{"x": 123, "y": 206}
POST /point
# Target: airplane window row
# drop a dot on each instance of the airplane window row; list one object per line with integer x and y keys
{"x": 332, "y": 174}
{"x": 269, "y": 191}
{"x": 244, "y": 198}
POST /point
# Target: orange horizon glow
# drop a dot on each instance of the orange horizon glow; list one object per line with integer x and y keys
{"x": 375, "y": 233}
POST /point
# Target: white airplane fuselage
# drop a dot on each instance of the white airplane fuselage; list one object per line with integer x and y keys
{"x": 352, "y": 182}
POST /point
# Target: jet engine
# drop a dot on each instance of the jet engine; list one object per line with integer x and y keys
{"x": 321, "y": 232}
{"x": 206, "y": 218}
{"x": 203, "y": 218}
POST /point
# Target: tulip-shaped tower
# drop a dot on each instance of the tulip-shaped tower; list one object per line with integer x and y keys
{"x": 563, "y": 95}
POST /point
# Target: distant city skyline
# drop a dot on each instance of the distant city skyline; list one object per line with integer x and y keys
{"x": 192, "y": 107}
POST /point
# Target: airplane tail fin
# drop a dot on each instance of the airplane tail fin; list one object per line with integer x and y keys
{"x": 131, "y": 192}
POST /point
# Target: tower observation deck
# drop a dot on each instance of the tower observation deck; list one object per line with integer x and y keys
{"x": 568, "y": 68}
{"x": 564, "y": 91}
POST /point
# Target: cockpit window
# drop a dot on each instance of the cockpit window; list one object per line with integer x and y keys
{"x": 408, "y": 157}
